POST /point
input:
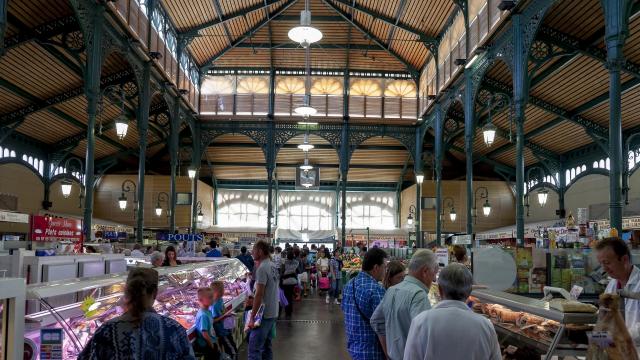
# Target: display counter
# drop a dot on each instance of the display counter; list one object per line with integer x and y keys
{"x": 99, "y": 299}
{"x": 531, "y": 327}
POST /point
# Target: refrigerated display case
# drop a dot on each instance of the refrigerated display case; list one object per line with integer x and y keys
{"x": 99, "y": 299}
{"x": 12, "y": 297}
{"x": 531, "y": 328}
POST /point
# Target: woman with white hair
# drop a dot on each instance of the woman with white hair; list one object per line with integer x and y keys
{"x": 451, "y": 330}
{"x": 157, "y": 258}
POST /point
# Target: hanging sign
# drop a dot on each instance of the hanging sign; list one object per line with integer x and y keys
{"x": 442, "y": 254}
{"x": 179, "y": 237}
{"x": 55, "y": 229}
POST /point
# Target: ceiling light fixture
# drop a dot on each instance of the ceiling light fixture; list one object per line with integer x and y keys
{"x": 306, "y": 166}
{"x": 306, "y": 145}
{"x": 306, "y": 110}
{"x": 305, "y": 34}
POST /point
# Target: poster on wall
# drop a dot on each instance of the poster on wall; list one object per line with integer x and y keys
{"x": 45, "y": 228}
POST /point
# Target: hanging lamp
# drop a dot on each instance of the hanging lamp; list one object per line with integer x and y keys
{"x": 306, "y": 166}
{"x": 305, "y": 34}
{"x": 306, "y": 109}
{"x": 306, "y": 145}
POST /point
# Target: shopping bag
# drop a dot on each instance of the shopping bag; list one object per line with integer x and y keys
{"x": 283, "y": 299}
{"x": 229, "y": 323}
{"x": 324, "y": 283}
{"x": 304, "y": 277}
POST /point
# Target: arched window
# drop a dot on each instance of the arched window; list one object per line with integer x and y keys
{"x": 24, "y": 158}
{"x": 567, "y": 176}
{"x": 373, "y": 210}
{"x": 13, "y": 153}
{"x": 573, "y": 173}
{"x": 41, "y": 167}
{"x": 608, "y": 164}
{"x": 6, "y": 153}
{"x": 584, "y": 168}
{"x": 602, "y": 164}
{"x": 30, "y": 160}
{"x": 595, "y": 164}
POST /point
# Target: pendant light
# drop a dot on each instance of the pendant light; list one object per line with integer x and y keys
{"x": 453, "y": 215}
{"x": 489, "y": 130}
{"x": 306, "y": 166}
{"x": 65, "y": 186}
{"x": 306, "y": 109}
{"x": 122, "y": 125}
{"x": 306, "y": 145}
{"x": 305, "y": 34}
{"x": 486, "y": 208}
{"x": 543, "y": 194}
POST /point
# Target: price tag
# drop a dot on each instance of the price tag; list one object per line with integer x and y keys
{"x": 602, "y": 339}
{"x": 511, "y": 350}
{"x": 575, "y": 292}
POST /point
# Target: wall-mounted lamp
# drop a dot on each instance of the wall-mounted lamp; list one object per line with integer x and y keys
{"x": 482, "y": 193}
{"x": 200, "y": 215}
{"x": 412, "y": 213}
{"x": 127, "y": 186}
{"x": 448, "y": 203}
{"x": 162, "y": 197}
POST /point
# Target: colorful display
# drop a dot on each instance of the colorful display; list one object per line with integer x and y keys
{"x": 176, "y": 299}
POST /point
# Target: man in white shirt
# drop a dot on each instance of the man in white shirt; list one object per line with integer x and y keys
{"x": 615, "y": 258}
{"x": 451, "y": 330}
{"x": 136, "y": 251}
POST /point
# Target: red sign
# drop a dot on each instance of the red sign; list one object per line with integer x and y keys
{"x": 263, "y": 236}
{"x": 55, "y": 229}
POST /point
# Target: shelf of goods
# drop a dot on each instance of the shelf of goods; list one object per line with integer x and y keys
{"x": 99, "y": 299}
{"x": 531, "y": 327}
{"x": 12, "y": 297}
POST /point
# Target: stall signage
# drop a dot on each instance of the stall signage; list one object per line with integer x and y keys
{"x": 54, "y": 229}
{"x": 263, "y": 236}
{"x": 442, "y": 254}
{"x": 12, "y": 217}
{"x": 179, "y": 237}
{"x": 51, "y": 344}
{"x": 461, "y": 239}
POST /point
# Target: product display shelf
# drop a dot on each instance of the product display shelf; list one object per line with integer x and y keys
{"x": 556, "y": 324}
{"x": 102, "y": 300}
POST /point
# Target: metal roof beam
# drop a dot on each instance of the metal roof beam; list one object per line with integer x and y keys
{"x": 316, "y": 146}
{"x": 571, "y": 43}
{"x": 394, "y": 22}
{"x": 324, "y": 166}
{"x": 222, "y": 18}
{"x": 290, "y": 185}
{"x": 398, "y": 15}
{"x": 113, "y": 79}
{"x": 296, "y": 46}
{"x": 216, "y": 5}
{"x": 41, "y": 32}
{"x": 349, "y": 18}
{"x": 205, "y": 66}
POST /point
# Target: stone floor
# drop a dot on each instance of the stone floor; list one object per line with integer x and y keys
{"x": 315, "y": 332}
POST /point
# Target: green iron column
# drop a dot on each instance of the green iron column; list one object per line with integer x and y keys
{"x": 270, "y": 156}
{"x": 418, "y": 170}
{"x": 344, "y": 171}
{"x": 143, "y": 127}
{"x": 562, "y": 186}
{"x": 195, "y": 164}
{"x": 3, "y": 24}
{"x": 173, "y": 155}
{"x": 520, "y": 102}
{"x": 93, "y": 69}
{"x": 616, "y": 13}
{"x": 438, "y": 167}
{"x": 469, "y": 133}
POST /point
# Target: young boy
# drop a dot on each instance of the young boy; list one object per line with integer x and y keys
{"x": 206, "y": 342}
{"x": 219, "y": 314}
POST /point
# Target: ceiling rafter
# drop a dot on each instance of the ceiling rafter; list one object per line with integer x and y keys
{"x": 349, "y": 18}
{"x": 295, "y": 165}
{"x": 216, "y": 5}
{"x": 42, "y": 32}
{"x": 394, "y": 22}
{"x": 208, "y": 63}
{"x": 398, "y": 15}
{"x": 296, "y": 46}
{"x": 109, "y": 80}
{"x": 193, "y": 31}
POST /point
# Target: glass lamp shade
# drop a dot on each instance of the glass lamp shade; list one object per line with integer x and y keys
{"x": 158, "y": 211}
{"x": 65, "y": 186}
{"x": 307, "y": 185}
{"x": 453, "y": 215}
{"x": 419, "y": 178}
{"x": 489, "y": 133}
{"x": 122, "y": 202}
{"x": 122, "y": 125}
{"x": 306, "y": 110}
{"x": 192, "y": 173}
{"x": 306, "y": 166}
{"x": 200, "y": 216}
{"x": 486, "y": 208}
{"x": 410, "y": 220}
{"x": 543, "y": 194}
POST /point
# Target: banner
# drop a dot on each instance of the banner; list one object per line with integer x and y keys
{"x": 55, "y": 229}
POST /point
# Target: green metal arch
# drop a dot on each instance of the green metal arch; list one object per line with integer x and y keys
{"x": 18, "y": 161}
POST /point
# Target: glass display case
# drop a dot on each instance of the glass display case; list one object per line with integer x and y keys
{"x": 12, "y": 292}
{"x": 530, "y": 329}
{"x": 99, "y": 299}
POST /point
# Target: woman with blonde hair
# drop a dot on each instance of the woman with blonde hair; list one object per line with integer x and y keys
{"x": 394, "y": 274}
{"x": 139, "y": 333}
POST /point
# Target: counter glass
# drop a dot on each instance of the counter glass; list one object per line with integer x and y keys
{"x": 99, "y": 299}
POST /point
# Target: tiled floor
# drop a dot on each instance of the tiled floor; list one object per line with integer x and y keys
{"x": 315, "y": 332}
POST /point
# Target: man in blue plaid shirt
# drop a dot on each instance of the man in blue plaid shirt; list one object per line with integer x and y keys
{"x": 360, "y": 297}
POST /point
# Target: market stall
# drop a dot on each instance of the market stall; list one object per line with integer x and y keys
{"x": 99, "y": 299}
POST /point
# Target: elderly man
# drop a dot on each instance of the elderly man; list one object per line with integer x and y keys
{"x": 615, "y": 258}
{"x": 401, "y": 303}
{"x": 451, "y": 330}
{"x": 156, "y": 259}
